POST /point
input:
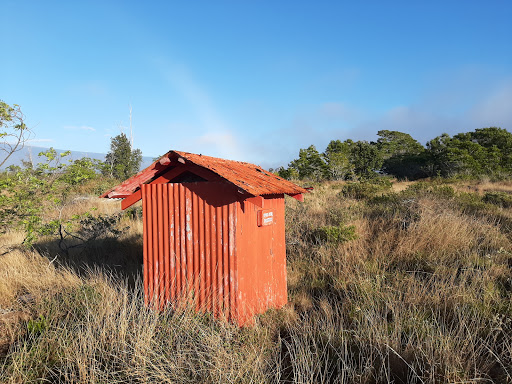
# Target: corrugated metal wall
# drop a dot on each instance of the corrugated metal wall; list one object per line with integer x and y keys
{"x": 262, "y": 259}
{"x": 189, "y": 247}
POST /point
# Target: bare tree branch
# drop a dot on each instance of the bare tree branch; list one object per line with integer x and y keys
{"x": 14, "y": 134}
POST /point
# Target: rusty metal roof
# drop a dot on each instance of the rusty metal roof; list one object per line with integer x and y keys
{"x": 246, "y": 176}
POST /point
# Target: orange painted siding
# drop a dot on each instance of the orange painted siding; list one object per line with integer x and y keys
{"x": 262, "y": 259}
{"x": 202, "y": 244}
{"x": 189, "y": 249}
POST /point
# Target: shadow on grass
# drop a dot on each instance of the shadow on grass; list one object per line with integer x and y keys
{"x": 120, "y": 256}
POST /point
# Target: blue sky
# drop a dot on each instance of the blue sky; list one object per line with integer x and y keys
{"x": 254, "y": 80}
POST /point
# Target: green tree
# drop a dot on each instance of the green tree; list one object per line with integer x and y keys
{"x": 310, "y": 164}
{"x": 122, "y": 161}
{"x": 395, "y": 143}
{"x": 13, "y": 131}
{"x": 486, "y": 151}
{"x": 402, "y": 155}
{"x": 337, "y": 157}
{"x": 493, "y": 136}
{"x": 439, "y": 161}
{"x": 496, "y": 145}
{"x": 287, "y": 173}
{"x": 80, "y": 170}
{"x": 366, "y": 159}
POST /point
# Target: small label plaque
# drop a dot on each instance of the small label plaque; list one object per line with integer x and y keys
{"x": 265, "y": 217}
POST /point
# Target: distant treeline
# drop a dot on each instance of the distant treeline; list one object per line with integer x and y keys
{"x": 483, "y": 152}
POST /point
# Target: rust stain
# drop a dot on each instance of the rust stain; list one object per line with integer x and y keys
{"x": 249, "y": 177}
{"x": 218, "y": 242}
{"x": 213, "y": 254}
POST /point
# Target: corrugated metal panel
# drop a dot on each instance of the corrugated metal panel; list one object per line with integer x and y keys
{"x": 249, "y": 177}
{"x": 262, "y": 261}
{"x": 190, "y": 247}
{"x": 128, "y": 186}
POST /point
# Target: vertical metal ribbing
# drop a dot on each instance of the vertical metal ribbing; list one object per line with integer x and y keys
{"x": 183, "y": 249}
{"x": 201, "y": 245}
{"x": 177, "y": 238}
{"x": 156, "y": 266}
{"x": 149, "y": 260}
{"x": 208, "y": 257}
{"x": 145, "y": 234}
{"x": 195, "y": 236}
{"x": 232, "y": 268}
{"x": 161, "y": 265}
{"x": 220, "y": 286}
{"x": 189, "y": 244}
{"x": 225, "y": 260}
{"x": 189, "y": 250}
{"x": 213, "y": 259}
{"x": 172, "y": 242}
{"x": 166, "y": 254}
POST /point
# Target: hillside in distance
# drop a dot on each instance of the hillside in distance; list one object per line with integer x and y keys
{"x": 30, "y": 153}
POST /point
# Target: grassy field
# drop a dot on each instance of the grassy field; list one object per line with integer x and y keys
{"x": 403, "y": 283}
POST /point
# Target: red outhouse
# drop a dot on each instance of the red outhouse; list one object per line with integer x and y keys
{"x": 214, "y": 232}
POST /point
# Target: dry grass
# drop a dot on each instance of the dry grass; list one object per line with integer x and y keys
{"x": 96, "y": 329}
{"x": 484, "y": 186}
{"x": 423, "y": 295}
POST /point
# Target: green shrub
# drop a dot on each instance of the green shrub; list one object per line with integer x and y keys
{"x": 401, "y": 208}
{"x": 366, "y": 189}
{"x": 500, "y": 199}
{"x": 472, "y": 203}
{"x": 37, "y": 326}
{"x": 334, "y": 234}
{"x": 430, "y": 189}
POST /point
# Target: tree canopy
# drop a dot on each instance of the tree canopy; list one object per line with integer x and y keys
{"x": 14, "y": 133}
{"x": 122, "y": 161}
{"x": 484, "y": 151}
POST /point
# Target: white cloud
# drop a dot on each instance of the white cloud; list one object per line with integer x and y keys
{"x": 447, "y": 110}
{"x": 223, "y": 144}
{"x": 210, "y": 134}
{"x": 425, "y": 121}
{"x": 182, "y": 79}
{"x": 495, "y": 110}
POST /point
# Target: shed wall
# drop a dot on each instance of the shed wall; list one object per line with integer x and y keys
{"x": 261, "y": 258}
{"x": 190, "y": 246}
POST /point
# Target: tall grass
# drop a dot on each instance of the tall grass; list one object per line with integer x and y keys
{"x": 420, "y": 294}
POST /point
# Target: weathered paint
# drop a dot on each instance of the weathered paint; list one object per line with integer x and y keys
{"x": 262, "y": 268}
{"x": 212, "y": 242}
{"x": 202, "y": 244}
{"x": 178, "y": 263}
{"x": 249, "y": 178}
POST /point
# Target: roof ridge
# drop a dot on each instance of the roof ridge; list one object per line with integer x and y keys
{"x": 250, "y": 177}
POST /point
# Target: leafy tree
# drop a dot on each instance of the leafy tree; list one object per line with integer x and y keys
{"x": 337, "y": 157}
{"x": 30, "y": 196}
{"x": 287, "y": 173}
{"x": 402, "y": 155}
{"x": 366, "y": 159}
{"x": 24, "y": 193}
{"x": 122, "y": 161}
{"x": 81, "y": 170}
{"x": 493, "y": 136}
{"x": 310, "y": 164}
{"x": 13, "y": 131}
{"x": 439, "y": 161}
{"x": 486, "y": 151}
{"x": 495, "y": 154}
{"x": 395, "y": 143}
